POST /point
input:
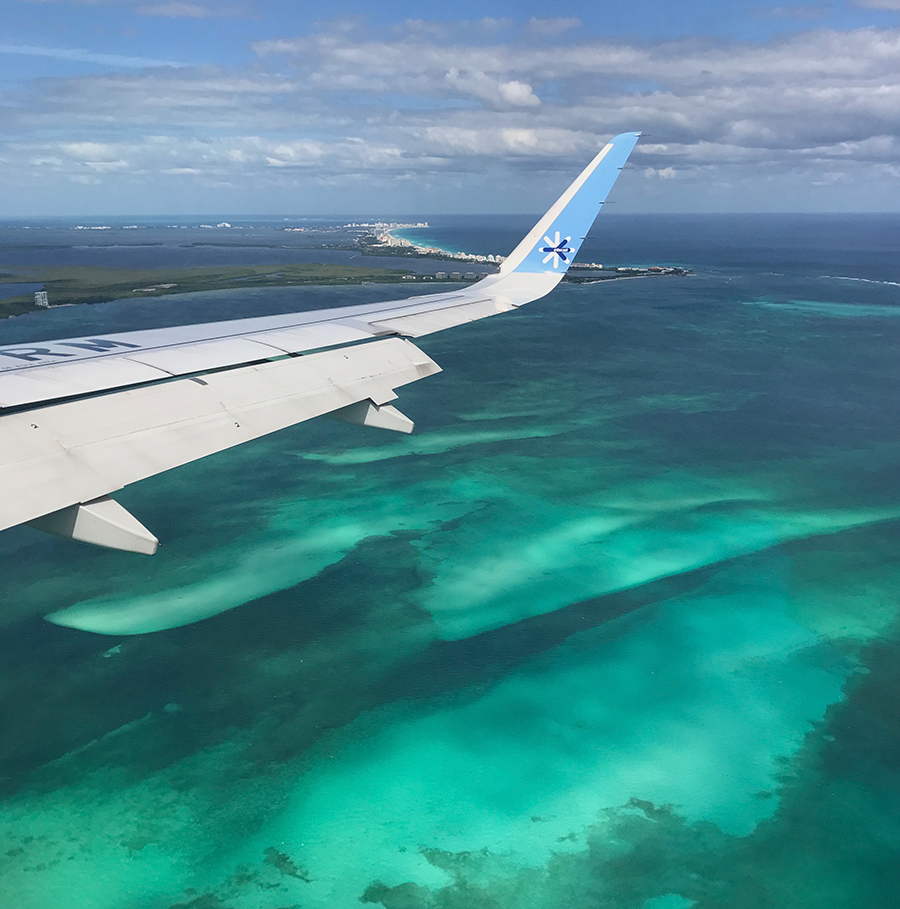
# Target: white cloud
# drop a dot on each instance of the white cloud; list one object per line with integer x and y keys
{"x": 518, "y": 94}
{"x": 90, "y": 150}
{"x": 104, "y": 167}
{"x": 488, "y": 88}
{"x": 84, "y": 56}
{"x": 437, "y": 100}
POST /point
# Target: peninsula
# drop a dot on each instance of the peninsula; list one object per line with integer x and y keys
{"x": 65, "y": 285}
{"x": 382, "y": 242}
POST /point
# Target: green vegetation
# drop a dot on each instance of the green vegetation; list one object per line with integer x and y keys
{"x": 78, "y": 284}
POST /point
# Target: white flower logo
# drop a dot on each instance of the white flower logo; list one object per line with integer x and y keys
{"x": 556, "y": 249}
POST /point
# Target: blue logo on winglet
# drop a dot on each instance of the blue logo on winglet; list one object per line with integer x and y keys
{"x": 556, "y": 250}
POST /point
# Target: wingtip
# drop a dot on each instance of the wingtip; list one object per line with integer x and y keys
{"x": 571, "y": 216}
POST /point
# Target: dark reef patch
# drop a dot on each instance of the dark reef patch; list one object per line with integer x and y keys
{"x": 833, "y": 842}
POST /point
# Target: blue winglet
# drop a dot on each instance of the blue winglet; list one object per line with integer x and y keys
{"x": 553, "y": 242}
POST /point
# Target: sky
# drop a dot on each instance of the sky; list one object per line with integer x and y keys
{"x": 116, "y": 107}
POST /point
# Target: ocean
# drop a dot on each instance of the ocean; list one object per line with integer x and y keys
{"x": 616, "y": 626}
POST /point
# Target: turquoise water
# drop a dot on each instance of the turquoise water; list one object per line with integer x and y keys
{"x": 427, "y": 237}
{"x": 616, "y": 626}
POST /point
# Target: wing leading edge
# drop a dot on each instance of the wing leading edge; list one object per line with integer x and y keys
{"x": 82, "y": 417}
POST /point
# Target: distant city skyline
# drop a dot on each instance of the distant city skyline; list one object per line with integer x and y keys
{"x": 117, "y": 107}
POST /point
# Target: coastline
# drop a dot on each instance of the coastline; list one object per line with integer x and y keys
{"x": 386, "y": 243}
{"x": 389, "y": 244}
{"x": 397, "y": 233}
{"x": 78, "y": 284}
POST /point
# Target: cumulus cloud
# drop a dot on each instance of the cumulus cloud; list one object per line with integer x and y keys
{"x": 664, "y": 173}
{"x": 430, "y": 99}
{"x": 510, "y": 93}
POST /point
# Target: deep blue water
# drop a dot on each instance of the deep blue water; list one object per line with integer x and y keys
{"x": 13, "y": 290}
{"x": 616, "y": 626}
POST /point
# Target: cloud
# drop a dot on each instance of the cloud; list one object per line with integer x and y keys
{"x": 445, "y": 30}
{"x": 552, "y": 27}
{"x": 492, "y": 24}
{"x": 510, "y": 93}
{"x": 181, "y": 10}
{"x": 411, "y": 63}
{"x": 664, "y": 173}
{"x": 426, "y": 103}
{"x": 801, "y": 12}
{"x": 878, "y": 4}
{"x": 80, "y": 55}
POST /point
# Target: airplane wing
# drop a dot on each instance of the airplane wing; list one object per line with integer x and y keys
{"x": 83, "y": 417}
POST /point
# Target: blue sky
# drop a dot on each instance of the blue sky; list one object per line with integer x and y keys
{"x": 176, "y": 106}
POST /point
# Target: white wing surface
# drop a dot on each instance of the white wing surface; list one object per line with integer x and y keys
{"x": 83, "y": 417}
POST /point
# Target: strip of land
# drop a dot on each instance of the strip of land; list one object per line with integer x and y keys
{"x": 384, "y": 243}
{"x": 67, "y": 285}
{"x": 80, "y": 284}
